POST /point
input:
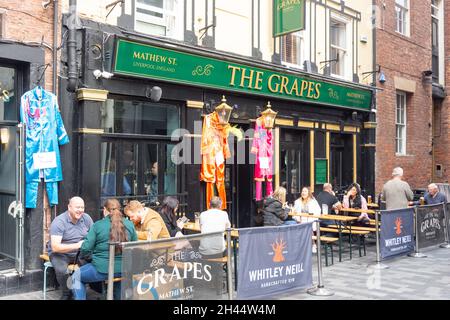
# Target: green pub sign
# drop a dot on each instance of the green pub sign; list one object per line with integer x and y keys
{"x": 320, "y": 166}
{"x": 154, "y": 62}
{"x": 288, "y": 16}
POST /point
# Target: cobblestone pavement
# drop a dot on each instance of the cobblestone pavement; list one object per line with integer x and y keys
{"x": 406, "y": 278}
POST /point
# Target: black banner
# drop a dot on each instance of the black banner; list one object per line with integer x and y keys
{"x": 430, "y": 225}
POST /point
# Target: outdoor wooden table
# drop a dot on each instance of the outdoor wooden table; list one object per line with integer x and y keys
{"x": 369, "y": 211}
{"x": 345, "y": 219}
{"x": 372, "y": 205}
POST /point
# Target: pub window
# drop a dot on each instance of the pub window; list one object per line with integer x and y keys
{"x": 139, "y": 117}
{"x": 136, "y": 150}
{"x": 400, "y": 124}
{"x": 338, "y": 47}
{"x": 292, "y": 49}
{"x": 159, "y": 17}
{"x": 9, "y": 99}
{"x": 402, "y": 17}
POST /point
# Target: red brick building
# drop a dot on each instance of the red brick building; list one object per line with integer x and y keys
{"x": 27, "y": 48}
{"x": 404, "y": 105}
{"x": 441, "y": 100}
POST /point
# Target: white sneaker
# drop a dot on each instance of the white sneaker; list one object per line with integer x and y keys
{"x": 314, "y": 248}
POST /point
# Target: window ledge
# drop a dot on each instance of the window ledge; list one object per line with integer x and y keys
{"x": 403, "y": 155}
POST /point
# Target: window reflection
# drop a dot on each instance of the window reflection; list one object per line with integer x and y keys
{"x": 139, "y": 117}
{"x": 151, "y": 172}
{"x": 8, "y": 95}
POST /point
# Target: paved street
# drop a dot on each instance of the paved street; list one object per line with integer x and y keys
{"x": 406, "y": 278}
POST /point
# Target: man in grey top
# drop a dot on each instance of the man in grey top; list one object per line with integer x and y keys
{"x": 397, "y": 192}
{"x": 66, "y": 236}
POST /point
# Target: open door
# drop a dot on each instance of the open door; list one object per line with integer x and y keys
{"x": 12, "y": 196}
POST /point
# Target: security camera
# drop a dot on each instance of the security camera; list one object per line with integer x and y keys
{"x": 45, "y": 4}
{"x": 97, "y": 74}
{"x": 102, "y": 74}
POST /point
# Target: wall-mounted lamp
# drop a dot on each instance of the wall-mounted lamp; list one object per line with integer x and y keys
{"x": 269, "y": 116}
{"x": 4, "y": 136}
{"x": 224, "y": 112}
{"x": 354, "y": 115}
{"x": 427, "y": 76}
{"x": 382, "y": 78}
{"x": 154, "y": 93}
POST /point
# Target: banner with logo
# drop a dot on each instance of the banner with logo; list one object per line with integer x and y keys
{"x": 273, "y": 260}
{"x": 173, "y": 269}
{"x": 288, "y": 16}
{"x": 430, "y": 222}
{"x": 396, "y": 232}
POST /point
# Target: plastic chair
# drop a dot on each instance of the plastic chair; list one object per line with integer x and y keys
{"x": 47, "y": 265}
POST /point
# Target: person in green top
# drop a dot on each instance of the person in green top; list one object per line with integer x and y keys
{"x": 113, "y": 227}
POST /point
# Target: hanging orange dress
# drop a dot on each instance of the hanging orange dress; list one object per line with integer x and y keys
{"x": 214, "y": 151}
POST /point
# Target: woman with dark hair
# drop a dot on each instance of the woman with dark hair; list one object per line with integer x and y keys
{"x": 168, "y": 213}
{"x": 355, "y": 200}
{"x": 113, "y": 228}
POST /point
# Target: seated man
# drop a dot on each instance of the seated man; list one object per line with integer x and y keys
{"x": 146, "y": 221}
{"x": 66, "y": 236}
{"x": 328, "y": 201}
{"x": 213, "y": 220}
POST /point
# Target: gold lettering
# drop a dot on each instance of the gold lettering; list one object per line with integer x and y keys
{"x": 284, "y": 83}
{"x": 244, "y": 77}
{"x": 317, "y": 96}
{"x": 233, "y": 74}
{"x": 310, "y": 89}
{"x": 303, "y": 88}
{"x": 269, "y": 83}
{"x": 295, "y": 87}
{"x": 258, "y": 80}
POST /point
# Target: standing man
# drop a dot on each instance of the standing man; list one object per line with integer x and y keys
{"x": 434, "y": 196}
{"x": 66, "y": 236}
{"x": 397, "y": 192}
{"x": 153, "y": 188}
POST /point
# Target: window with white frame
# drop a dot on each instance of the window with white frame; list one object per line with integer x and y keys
{"x": 159, "y": 17}
{"x": 338, "y": 44}
{"x": 400, "y": 123}
{"x": 402, "y": 17}
{"x": 292, "y": 49}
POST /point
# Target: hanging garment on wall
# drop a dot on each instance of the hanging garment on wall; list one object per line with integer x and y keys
{"x": 44, "y": 133}
{"x": 214, "y": 151}
{"x": 263, "y": 148}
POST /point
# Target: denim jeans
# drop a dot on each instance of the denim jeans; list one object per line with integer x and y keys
{"x": 289, "y": 222}
{"x": 88, "y": 274}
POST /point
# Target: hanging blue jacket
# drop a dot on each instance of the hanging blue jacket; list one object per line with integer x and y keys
{"x": 44, "y": 133}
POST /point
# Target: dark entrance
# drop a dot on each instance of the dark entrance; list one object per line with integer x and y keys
{"x": 239, "y": 182}
{"x": 294, "y": 155}
{"x": 341, "y": 160}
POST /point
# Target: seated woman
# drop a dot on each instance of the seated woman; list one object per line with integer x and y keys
{"x": 114, "y": 227}
{"x": 168, "y": 213}
{"x": 307, "y": 204}
{"x": 276, "y": 210}
{"x": 355, "y": 200}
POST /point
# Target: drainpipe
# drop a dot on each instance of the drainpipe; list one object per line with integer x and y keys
{"x": 72, "y": 47}
{"x": 55, "y": 43}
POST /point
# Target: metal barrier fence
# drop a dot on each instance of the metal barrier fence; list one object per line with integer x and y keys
{"x": 430, "y": 225}
{"x": 184, "y": 268}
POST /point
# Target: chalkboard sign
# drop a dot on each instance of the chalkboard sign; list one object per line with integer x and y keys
{"x": 321, "y": 171}
{"x": 430, "y": 223}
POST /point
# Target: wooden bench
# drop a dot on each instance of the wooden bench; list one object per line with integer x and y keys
{"x": 357, "y": 228}
{"x": 344, "y": 230}
{"x": 327, "y": 242}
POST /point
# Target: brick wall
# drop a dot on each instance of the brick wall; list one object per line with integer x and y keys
{"x": 28, "y": 22}
{"x": 442, "y": 139}
{"x": 405, "y": 57}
